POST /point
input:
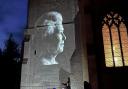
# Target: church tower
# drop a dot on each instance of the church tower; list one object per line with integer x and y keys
{"x": 34, "y": 74}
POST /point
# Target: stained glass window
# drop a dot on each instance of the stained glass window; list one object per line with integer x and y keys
{"x": 115, "y": 40}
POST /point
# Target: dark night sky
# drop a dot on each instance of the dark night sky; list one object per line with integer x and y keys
{"x": 13, "y": 18}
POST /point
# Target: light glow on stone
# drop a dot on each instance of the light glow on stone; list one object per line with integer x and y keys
{"x": 53, "y": 37}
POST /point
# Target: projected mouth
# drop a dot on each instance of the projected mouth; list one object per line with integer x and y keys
{"x": 62, "y": 44}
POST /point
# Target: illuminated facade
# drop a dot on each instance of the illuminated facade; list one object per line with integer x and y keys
{"x": 96, "y": 46}
{"x": 103, "y": 29}
{"x": 37, "y": 74}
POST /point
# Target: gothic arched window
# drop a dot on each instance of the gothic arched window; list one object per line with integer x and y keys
{"x": 115, "y": 40}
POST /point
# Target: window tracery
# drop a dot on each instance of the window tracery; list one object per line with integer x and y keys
{"x": 115, "y": 40}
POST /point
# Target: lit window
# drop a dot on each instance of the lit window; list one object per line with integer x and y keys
{"x": 115, "y": 40}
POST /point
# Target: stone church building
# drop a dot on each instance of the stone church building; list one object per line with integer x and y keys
{"x": 95, "y": 51}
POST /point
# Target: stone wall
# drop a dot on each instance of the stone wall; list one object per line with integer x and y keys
{"x": 71, "y": 64}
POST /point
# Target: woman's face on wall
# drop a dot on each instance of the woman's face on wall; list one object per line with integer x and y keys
{"x": 56, "y": 40}
{"x": 60, "y": 37}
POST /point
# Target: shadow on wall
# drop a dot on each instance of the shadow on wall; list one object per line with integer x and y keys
{"x": 87, "y": 85}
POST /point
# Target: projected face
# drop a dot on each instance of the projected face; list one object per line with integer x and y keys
{"x": 55, "y": 38}
{"x": 54, "y": 32}
{"x": 52, "y": 38}
{"x": 60, "y": 37}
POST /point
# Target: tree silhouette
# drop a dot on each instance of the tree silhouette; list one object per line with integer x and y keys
{"x": 11, "y": 68}
{"x": 0, "y": 55}
{"x": 11, "y": 52}
{"x": 0, "y": 52}
{"x": 1, "y": 58}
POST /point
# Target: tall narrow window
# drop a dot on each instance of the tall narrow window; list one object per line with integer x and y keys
{"x": 115, "y": 40}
